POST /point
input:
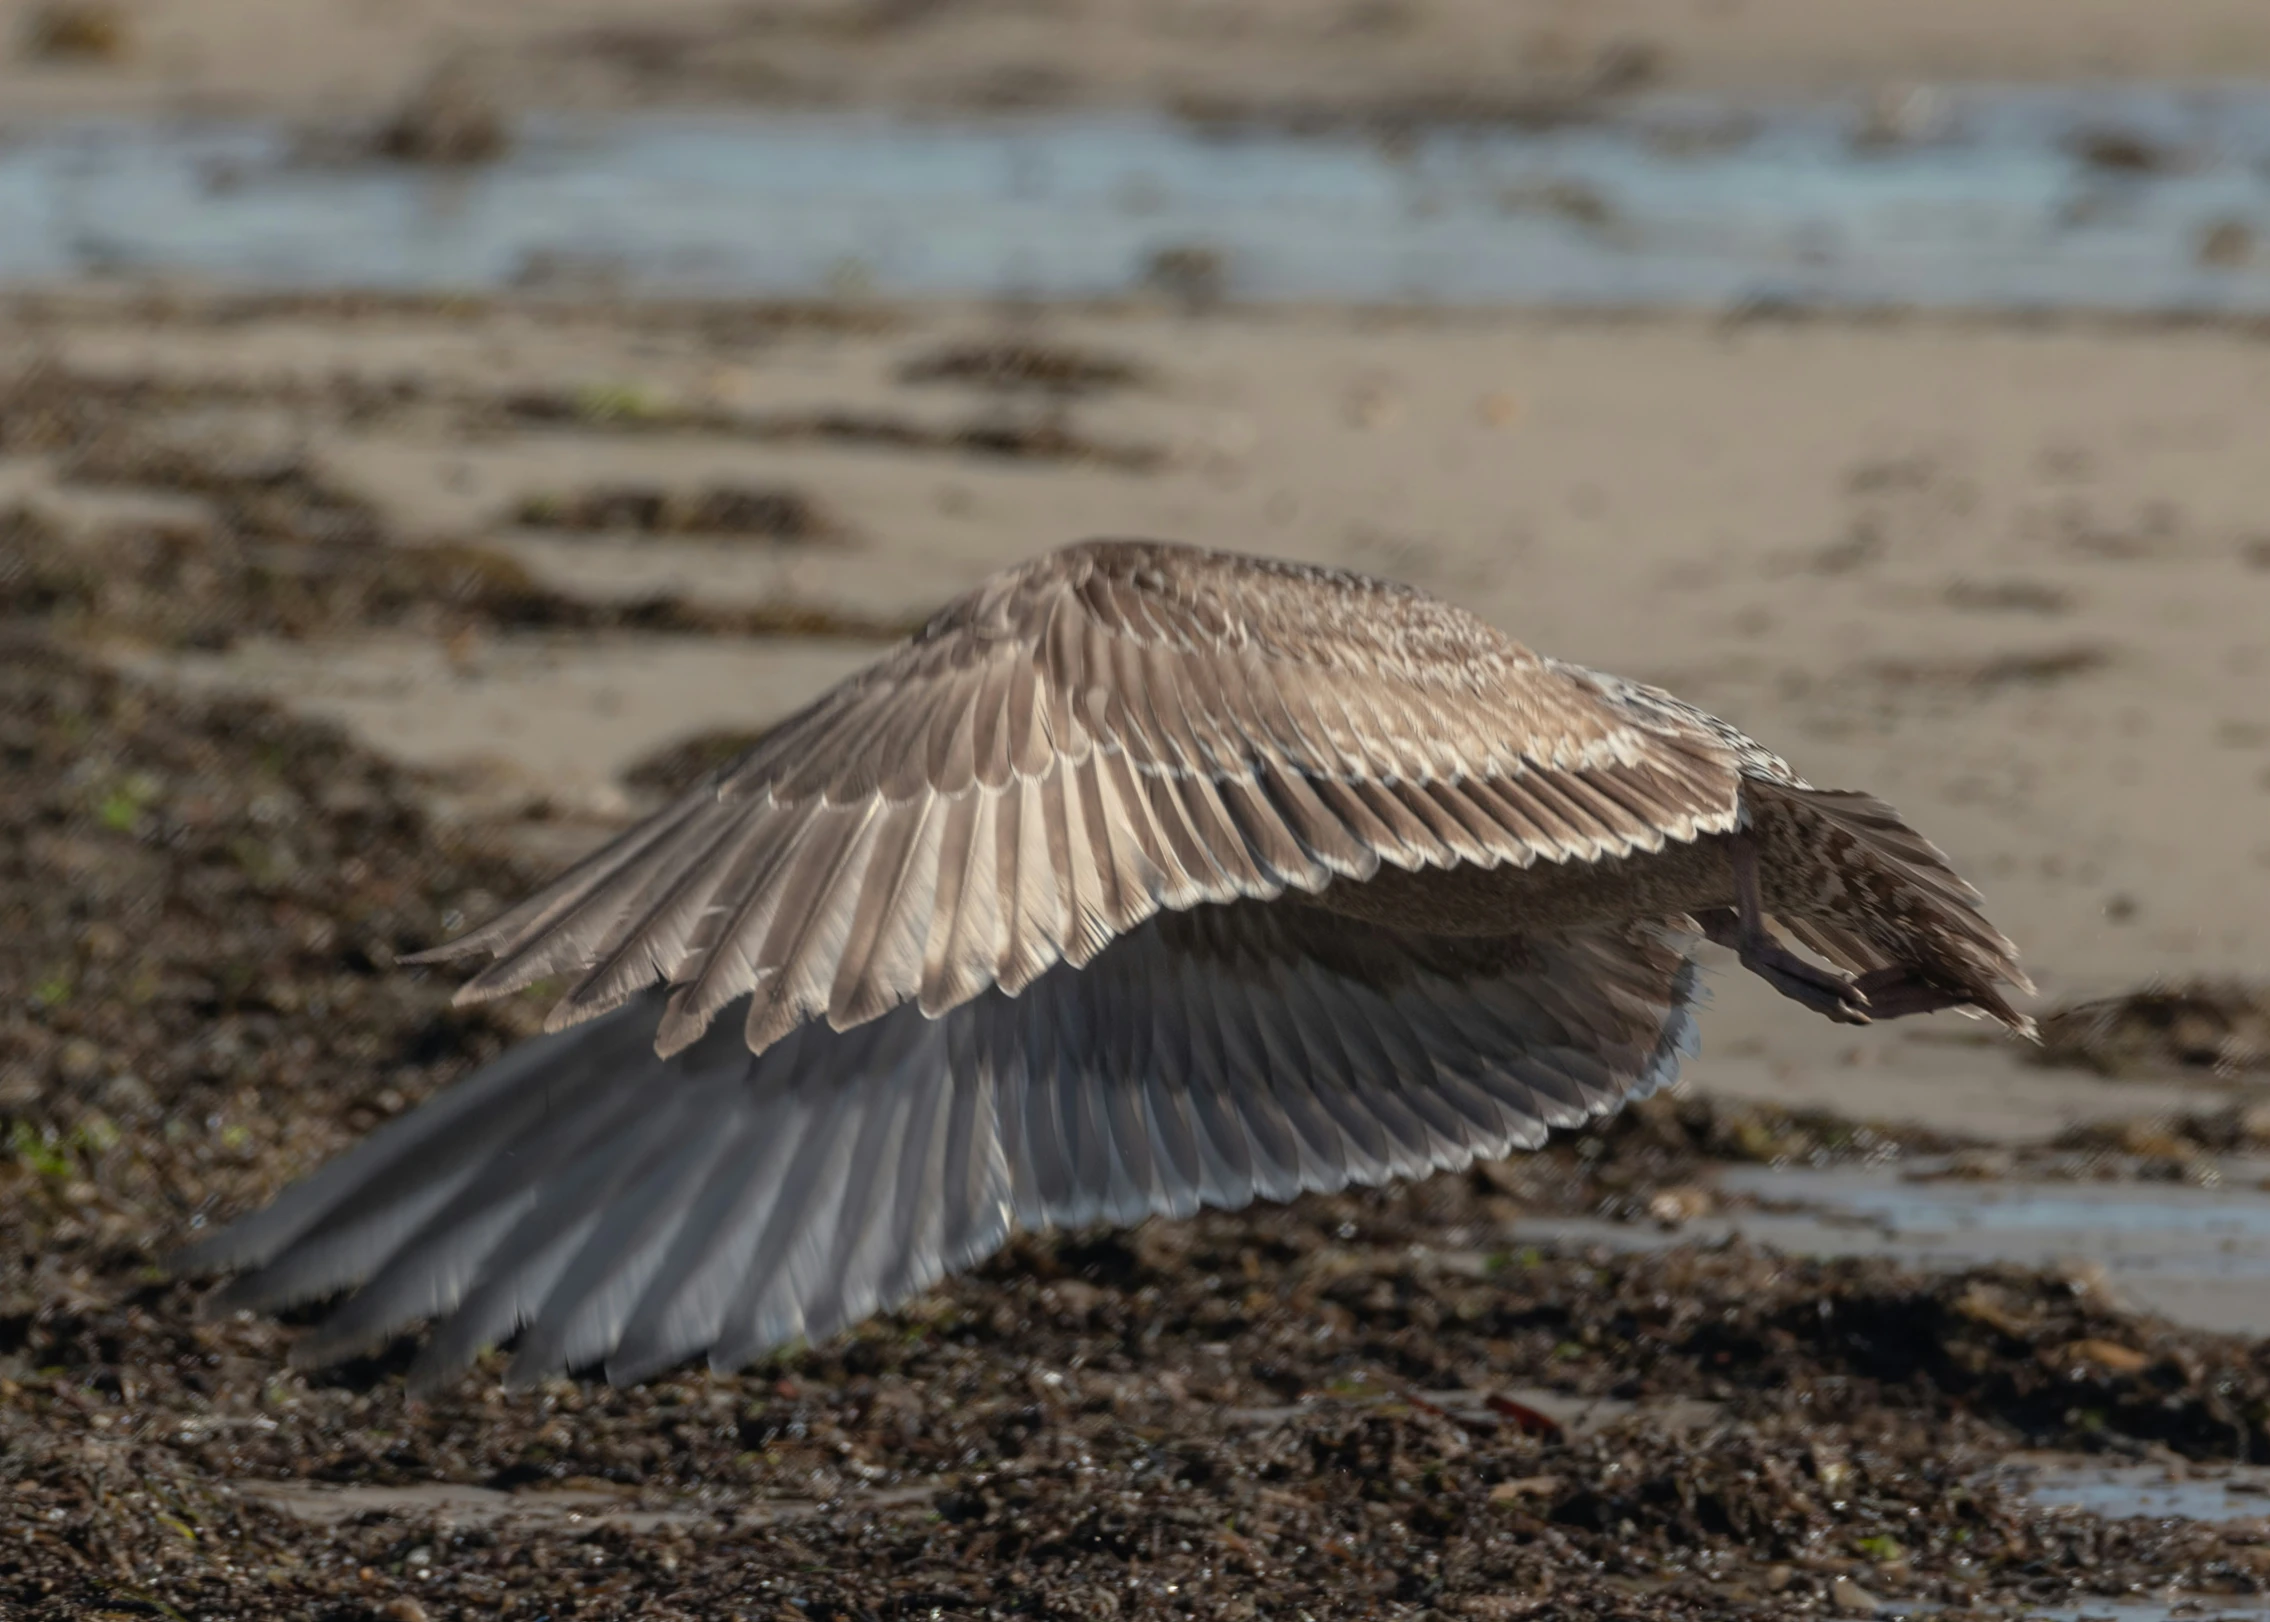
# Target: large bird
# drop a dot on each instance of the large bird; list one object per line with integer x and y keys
{"x": 1142, "y": 878}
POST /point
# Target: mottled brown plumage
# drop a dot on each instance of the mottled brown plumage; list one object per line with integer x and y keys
{"x": 1142, "y": 877}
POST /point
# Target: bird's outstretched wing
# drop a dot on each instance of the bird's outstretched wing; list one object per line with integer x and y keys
{"x": 1113, "y": 730}
{"x": 617, "y": 1207}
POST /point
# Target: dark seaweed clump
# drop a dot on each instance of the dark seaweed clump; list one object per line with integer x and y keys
{"x": 2219, "y": 1026}
{"x": 1287, "y": 1410}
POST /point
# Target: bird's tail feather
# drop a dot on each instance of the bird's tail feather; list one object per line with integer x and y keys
{"x": 1852, "y": 881}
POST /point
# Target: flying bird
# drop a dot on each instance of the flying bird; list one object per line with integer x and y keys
{"x": 1142, "y": 878}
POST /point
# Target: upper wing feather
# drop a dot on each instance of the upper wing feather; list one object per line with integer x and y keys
{"x": 1112, "y": 730}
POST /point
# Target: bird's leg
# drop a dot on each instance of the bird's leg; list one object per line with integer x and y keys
{"x": 1742, "y": 927}
{"x": 1897, "y": 992}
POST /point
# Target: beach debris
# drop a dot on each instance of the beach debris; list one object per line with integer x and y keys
{"x": 184, "y": 584}
{"x": 2007, "y": 596}
{"x": 1008, "y": 365}
{"x": 76, "y": 31}
{"x": 1191, "y": 274}
{"x": 676, "y": 767}
{"x": 762, "y": 512}
{"x": 2117, "y": 149}
{"x": 2216, "y": 1025}
{"x": 1904, "y": 115}
{"x": 452, "y": 117}
{"x": 2226, "y": 244}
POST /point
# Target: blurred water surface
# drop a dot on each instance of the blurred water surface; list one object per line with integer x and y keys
{"x": 2197, "y": 1255}
{"x": 2127, "y": 198}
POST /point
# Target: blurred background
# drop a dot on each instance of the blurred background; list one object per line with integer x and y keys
{"x": 431, "y": 432}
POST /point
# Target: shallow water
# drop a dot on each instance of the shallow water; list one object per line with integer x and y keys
{"x": 1992, "y": 202}
{"x": 2178, "y": 1608}
{"x": 2195, "y": 1255}
{"x": 2118, "y": 1492}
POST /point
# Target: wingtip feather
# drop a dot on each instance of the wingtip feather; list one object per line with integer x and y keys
{"x": 447, "y": 952}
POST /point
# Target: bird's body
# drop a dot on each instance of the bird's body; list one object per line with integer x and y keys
{"x": 1143, "y": 877}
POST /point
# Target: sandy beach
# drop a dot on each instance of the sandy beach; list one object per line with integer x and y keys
{"x": 329, "y": 621}
{"x": 331, "y": 60}
{"x": 2010, "y": 580}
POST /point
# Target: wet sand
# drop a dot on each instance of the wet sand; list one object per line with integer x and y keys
{"x": 325, "y": 61}
{"x": 2008, "y": 579}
